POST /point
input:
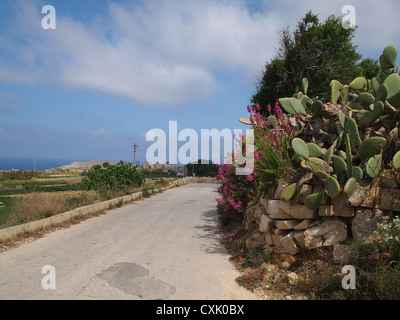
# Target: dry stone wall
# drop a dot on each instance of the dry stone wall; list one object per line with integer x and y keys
{"x": 290, "y": 228}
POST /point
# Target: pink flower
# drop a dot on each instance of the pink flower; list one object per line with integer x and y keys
{"x": 249, "y": 109}
{"x": 258, "y": 108}
{"x": 394, "y": 190}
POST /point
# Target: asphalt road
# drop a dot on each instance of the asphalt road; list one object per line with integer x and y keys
{"x": 163, "y": 247}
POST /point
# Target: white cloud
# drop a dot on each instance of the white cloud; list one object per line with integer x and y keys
{"x": 169, "y": 52}
{"x": 100, "y": 133}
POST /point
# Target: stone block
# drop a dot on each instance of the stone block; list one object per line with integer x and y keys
{"x": 249, "y": 226}
{"x": 365, "y": 223}
{"x": 297, "y": 211}
{"x": 286, "y": 224}
{"x": 388, "y": 201}
{"x": 268, "y": 238}
{"x": 259, "y": 211}
{"x": 299, "y": 237}
{"x": 304, "y": 224}
{"x": 264, "y": 202}
{"x": 326, "y": 234}
{"x": 326, "y": 211}
{"x": 266, "y": 223}
{"x": 336, "y": 210}
{"x": 372, "y": 198}
{"x": 274, "y": 210}
{"x": 290, "y": 244}
{"x": 276, "y": 238}
{"x": 280, "y": 250}
{"x": 305, "y": 191}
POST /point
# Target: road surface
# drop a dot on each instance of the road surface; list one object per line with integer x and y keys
{"x": 163, "y": 247}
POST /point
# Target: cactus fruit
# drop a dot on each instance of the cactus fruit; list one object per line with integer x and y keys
{"x": 314, "y": 150}
{"x": 396, "y": 161}
{"x": 316, "y": 108}
{"x": 339, "y": 165}
{"x": 288, "y": 192}
{"x": 358, "y": 84}
{"x": 300, "y": 147}
{"x": 350, "y": 187}
{"x": 332, "y": 187}
{"x": 371, "y": 147}
{"x": 315, "y": 200}
{"x": 357, "y": 173}
{"x": 374, "y": 166}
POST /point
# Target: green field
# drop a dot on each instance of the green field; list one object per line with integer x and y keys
{"x": 47, "y": 194}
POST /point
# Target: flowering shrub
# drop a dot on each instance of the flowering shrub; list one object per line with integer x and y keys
{"x": 273, "y": 161}
{"x": 272, "y": 138}
{"x": 251, "y": 280}
{"x": 237, "y": 191}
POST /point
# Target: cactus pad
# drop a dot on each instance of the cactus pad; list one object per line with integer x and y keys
{"x": 315, "y": 200}
{"x": 371, "y": 147}
{"x": 300, "y": 147}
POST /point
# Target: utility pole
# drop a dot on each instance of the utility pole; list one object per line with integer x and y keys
{"x": 134, "y": 154}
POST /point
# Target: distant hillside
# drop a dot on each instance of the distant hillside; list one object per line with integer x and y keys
{"x": 84, "y": 165}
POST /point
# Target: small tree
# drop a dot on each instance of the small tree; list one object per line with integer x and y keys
{"x": 316, "y": 51}
{"x": 113, "y": 177}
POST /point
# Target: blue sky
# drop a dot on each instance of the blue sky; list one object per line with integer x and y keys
{"x": 113, "y": 70}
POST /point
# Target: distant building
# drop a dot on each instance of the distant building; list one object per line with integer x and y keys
{"x": 165, "y": 168}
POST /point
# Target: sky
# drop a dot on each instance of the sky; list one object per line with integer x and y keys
{"x": 112, "y": 71}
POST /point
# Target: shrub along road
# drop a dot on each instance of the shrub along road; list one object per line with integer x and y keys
{"x": 163, "y": 247}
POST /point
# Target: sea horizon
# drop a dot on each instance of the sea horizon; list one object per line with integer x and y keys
{"x": 40, "y": 164}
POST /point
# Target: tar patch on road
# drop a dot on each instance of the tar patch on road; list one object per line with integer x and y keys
{"x": 134, "y": 279}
